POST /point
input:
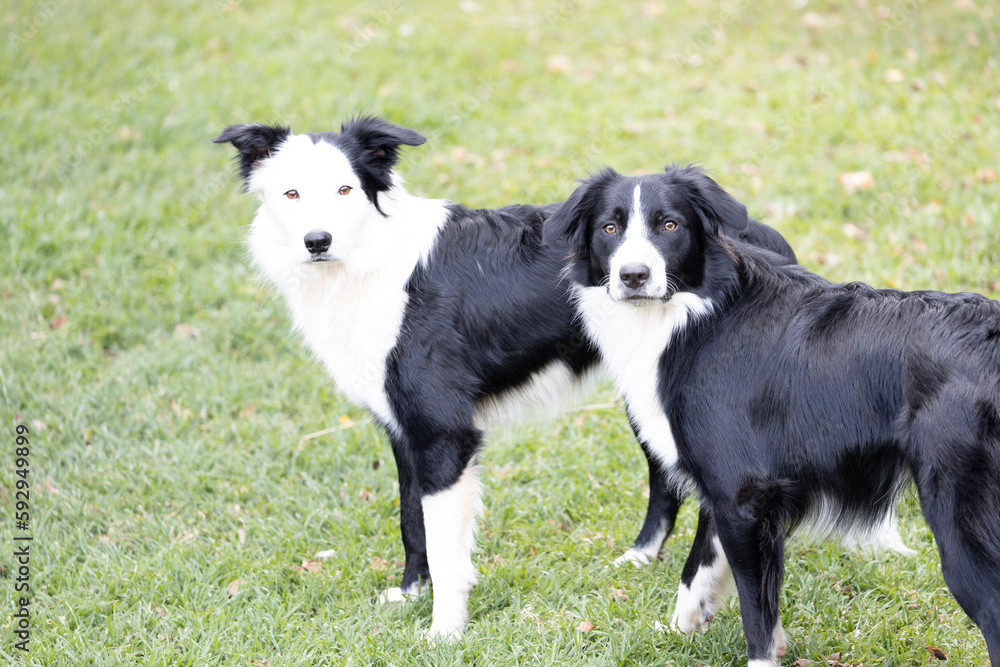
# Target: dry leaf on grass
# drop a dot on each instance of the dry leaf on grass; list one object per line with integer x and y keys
{"x": 894, "y": 75}
{"x": 585, "y": 626}
{"x": 186, "y": 331}
{"x": 936, "y": 652}
{"x": 234, "y": 586}
{"x": 309, "y": 565}
{"x": 558, "y": 63}
{"x": 852, "y": 181}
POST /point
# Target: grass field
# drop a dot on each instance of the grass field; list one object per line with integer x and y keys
{"x": 174, "y": 491}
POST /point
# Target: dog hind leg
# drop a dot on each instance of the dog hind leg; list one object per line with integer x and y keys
{"x": 706, "y": 580}
{"x": 958, "y": 480}
{"x": 965, "y": 520}
{"x": 751, "y": 529}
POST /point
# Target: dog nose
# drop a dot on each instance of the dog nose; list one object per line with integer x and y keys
{"x": 318, "y": 242}
{"x": 634, "y": 275}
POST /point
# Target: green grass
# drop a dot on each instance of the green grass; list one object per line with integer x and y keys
{"x": 168, "y": 404}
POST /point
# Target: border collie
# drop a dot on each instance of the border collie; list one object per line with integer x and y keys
{"x": 439, "y": 319}
{"x": 784, "y": 398}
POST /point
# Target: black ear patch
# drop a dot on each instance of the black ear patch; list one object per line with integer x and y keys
{"x": 254, "y": 143}
{"x": 716, "y": 207}
{"x": 572, "y": 220}
{"x": 372, "y": 145}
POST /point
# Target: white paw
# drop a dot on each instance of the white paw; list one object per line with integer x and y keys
{"x": 393, "y": 595}
{"x": 637, "y": 558}
{"x": 693, "y": 612}
{"x": 445, "y": 632}
{"x": 780, "y": 640}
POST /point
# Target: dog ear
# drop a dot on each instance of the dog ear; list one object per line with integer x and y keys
{"x": 571, "y": 221}
{"x": 374, "y": 151}
{"x": 254, "y": 143}
{"x": 716, "y": 207}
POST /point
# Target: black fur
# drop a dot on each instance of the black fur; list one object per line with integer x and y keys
{"x": 792, "y": 391}
{"x": 370, "y": 143}
{"x": 487, "y": 310}
{"x": 254, "y": 143}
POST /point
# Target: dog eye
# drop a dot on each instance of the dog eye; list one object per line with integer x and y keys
{"x": 292, "y": 194}
{"x": 670, "y": 225}
{"x": 344, "y": 189}
{"x": 610, "y": 229}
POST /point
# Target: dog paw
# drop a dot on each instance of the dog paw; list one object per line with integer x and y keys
{"x": 693, "y": 612}
{"x": 395, "y": 595}
{"x": 780, "y": 640}
{"x": 637, "y": 558}
{"x": 444, "y": 632}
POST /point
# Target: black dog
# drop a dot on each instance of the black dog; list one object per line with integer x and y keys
{"x": 785, "y": 398}
{"x": 441, "y": 320}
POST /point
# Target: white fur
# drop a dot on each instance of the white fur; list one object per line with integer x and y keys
{"x": 396, "y": 594}
{"x": 348, "y": 311}
{"x": 450, "y": 525}
{"x": 822, "y": 523}
{"x": 632, "y": 340}
{"x": 636, "y": 248}
{"x": 643, "y": 554}
{"x": 548, "y": 392}
{"x": 711, "y": 587}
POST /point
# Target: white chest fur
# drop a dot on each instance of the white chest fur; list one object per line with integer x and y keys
{"x": 350, "y": 312}
{"x": 351, "y": 324}
{"x": 632, "y": 340}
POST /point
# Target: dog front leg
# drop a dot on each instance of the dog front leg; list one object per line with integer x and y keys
{"x": 416, "y": 575}
{"x": 661, "y": 514}
{"x": 450, "y": 522}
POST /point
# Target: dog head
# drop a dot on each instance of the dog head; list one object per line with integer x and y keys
{"x": 318, "y": 189}
{"x": 646, "y": 237}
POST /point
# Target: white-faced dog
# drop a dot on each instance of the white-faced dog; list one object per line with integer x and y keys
{"x": 439, "y": 319}
{"x": 786, "y": 399}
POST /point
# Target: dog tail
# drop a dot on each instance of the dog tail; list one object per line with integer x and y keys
{"x": 770, "y": 504}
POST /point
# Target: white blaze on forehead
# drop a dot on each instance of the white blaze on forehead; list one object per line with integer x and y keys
{"x": 636, "y": 248}
{"x": 316, "y": 171}
{"x": 298, "y": 163}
